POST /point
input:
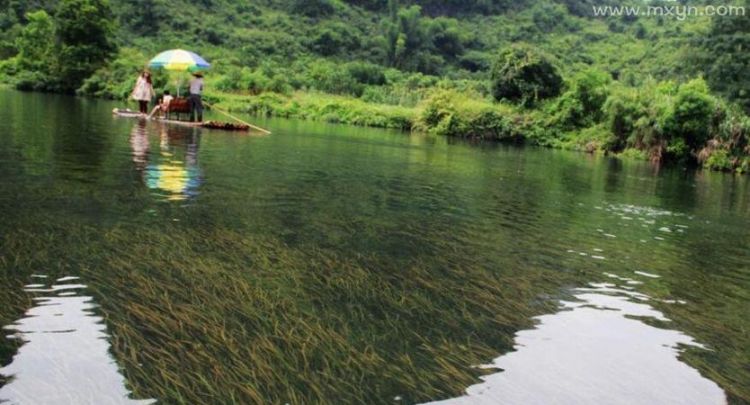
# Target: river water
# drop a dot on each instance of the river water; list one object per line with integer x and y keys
{"x": 144, "y": 263}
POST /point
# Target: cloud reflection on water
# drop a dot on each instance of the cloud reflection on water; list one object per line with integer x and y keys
{"x": 65, "y": 355}
{"x": 595, "y": 351}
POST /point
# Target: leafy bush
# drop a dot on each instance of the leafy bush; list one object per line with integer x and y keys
{"x": 634, "y": 154}
{"x": 455, "y": 114}
{"x": 475, "y": 61}
{"x": 637, "y": 118}
{"x": 84, "y": 30}
{"x": 117, "y": 78}
{"x": 34, "y": 81}
{"x": 254, "y": 81}
{"x": 333, "y": 38}
{"x": 328, "y": 77}
{"x": 366, "y": 73}
{"x": 691, "y": 116}
{"x": 724, "y": 59}
{"x": 35, "y": 44}
{"x": 524, "y": 75}
{"x": 581, "y": 105}
{"x": 670, "y": 121}
{"x": 312, "y": 8}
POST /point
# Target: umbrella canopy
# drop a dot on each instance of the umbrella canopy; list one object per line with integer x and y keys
{"x": 179, "y": 60}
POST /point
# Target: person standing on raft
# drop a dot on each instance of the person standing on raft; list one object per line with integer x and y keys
{"x": 196, "y": 104}
{"x": 143, "y": 91}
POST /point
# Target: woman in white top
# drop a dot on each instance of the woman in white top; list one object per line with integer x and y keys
{"x": 143, "y": 91}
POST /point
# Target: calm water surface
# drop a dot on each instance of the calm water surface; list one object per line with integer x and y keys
{"x": 143, "y": 263}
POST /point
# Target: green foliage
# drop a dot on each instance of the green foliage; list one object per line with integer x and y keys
{"x": 446, "y": 37}
{"x": 84, "y": 32}
{"x": 116, "y": 79}
{"x": 312, "y": 8}
{"x": 725, "y": 58}
{"x": 475, "y": 61}
{"x": 581, "y": 105}
{"x": 335, "y": 38}
{"x": 718, "y": 160}
{"x": 253, "y": 81}
{"x": 637, "y": 118}
{"x": 691, "y": 116}
{"x": 634, "y": 154}
{"x": 36, "y": 59}
{"x": 548, "y": 17}
{"x": 669, "y": 121}
{"x": 318, "y": 107}
{"x": 456, "y": 114}
{"x": 405, "y": 34}
{"x": 145, "y": 19}
{"x": 331, "y": 78}
{"x": 366, "y": 73}
{"x": 36, "y": 43}
{"x": 625, "y": 83}
{"x": 729, "y": 149}
{"x": 415, "y": 43}
{"x": 523, "y": 74}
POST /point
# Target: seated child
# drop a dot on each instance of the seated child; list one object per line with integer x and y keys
{"x": 163, "y": 105}
{"x": 165, "y": 100}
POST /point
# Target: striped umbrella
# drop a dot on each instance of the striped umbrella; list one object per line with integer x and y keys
{"x": 179, "y": 60}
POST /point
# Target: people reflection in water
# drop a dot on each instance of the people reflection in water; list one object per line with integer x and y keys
{"x": 139, "y": 144}
{"x": 173, "y": 173}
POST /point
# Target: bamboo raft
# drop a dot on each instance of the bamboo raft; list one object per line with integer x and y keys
{"x": 226, "y": 126}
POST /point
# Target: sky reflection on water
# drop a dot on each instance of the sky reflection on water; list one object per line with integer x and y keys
{"x": 596, "y": 350}
{"x": 65, "y": 356}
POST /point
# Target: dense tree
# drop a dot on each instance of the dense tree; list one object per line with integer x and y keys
{"x": 35, "y": 44}
{"x": 417, "y": 43}
{"x": 446, "y": 37}
{"x": 36, "y": 59}
{"x": 84, "y": 34}
{"x": 146, "y": 18}
{"x": 405, "y": 34}
{"x": 581, "y": 105}
{"x": 335, "y": 38}
{"x": 584, "y": 8}
{"x": 312, "y": 8}
{"x": 445, "y": 7}
{"x": 726, "y": 59}
{"x": 373, "y": 5}
{"x": 691, "y": 115}
{"x": 526, "y": 75}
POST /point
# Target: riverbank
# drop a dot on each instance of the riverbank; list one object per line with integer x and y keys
{"x": 465, "y": 115}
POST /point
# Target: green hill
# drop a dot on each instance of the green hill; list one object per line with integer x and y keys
{"x": 476, "y": 68}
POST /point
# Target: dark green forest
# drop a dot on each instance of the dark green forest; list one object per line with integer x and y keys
{"x": 549, "y": 73}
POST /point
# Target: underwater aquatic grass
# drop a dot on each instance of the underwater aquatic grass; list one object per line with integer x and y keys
{"x": 237, "y": 303}
{"x": 216, "y": 316}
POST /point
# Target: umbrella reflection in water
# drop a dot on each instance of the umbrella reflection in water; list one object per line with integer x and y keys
{"x": 173, "y": 173}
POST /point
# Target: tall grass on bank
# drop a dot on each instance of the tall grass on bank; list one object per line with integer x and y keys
{"x": 320, "y": 107}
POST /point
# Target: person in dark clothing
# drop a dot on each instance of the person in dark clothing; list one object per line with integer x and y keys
{"x": 196, "y": 104}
